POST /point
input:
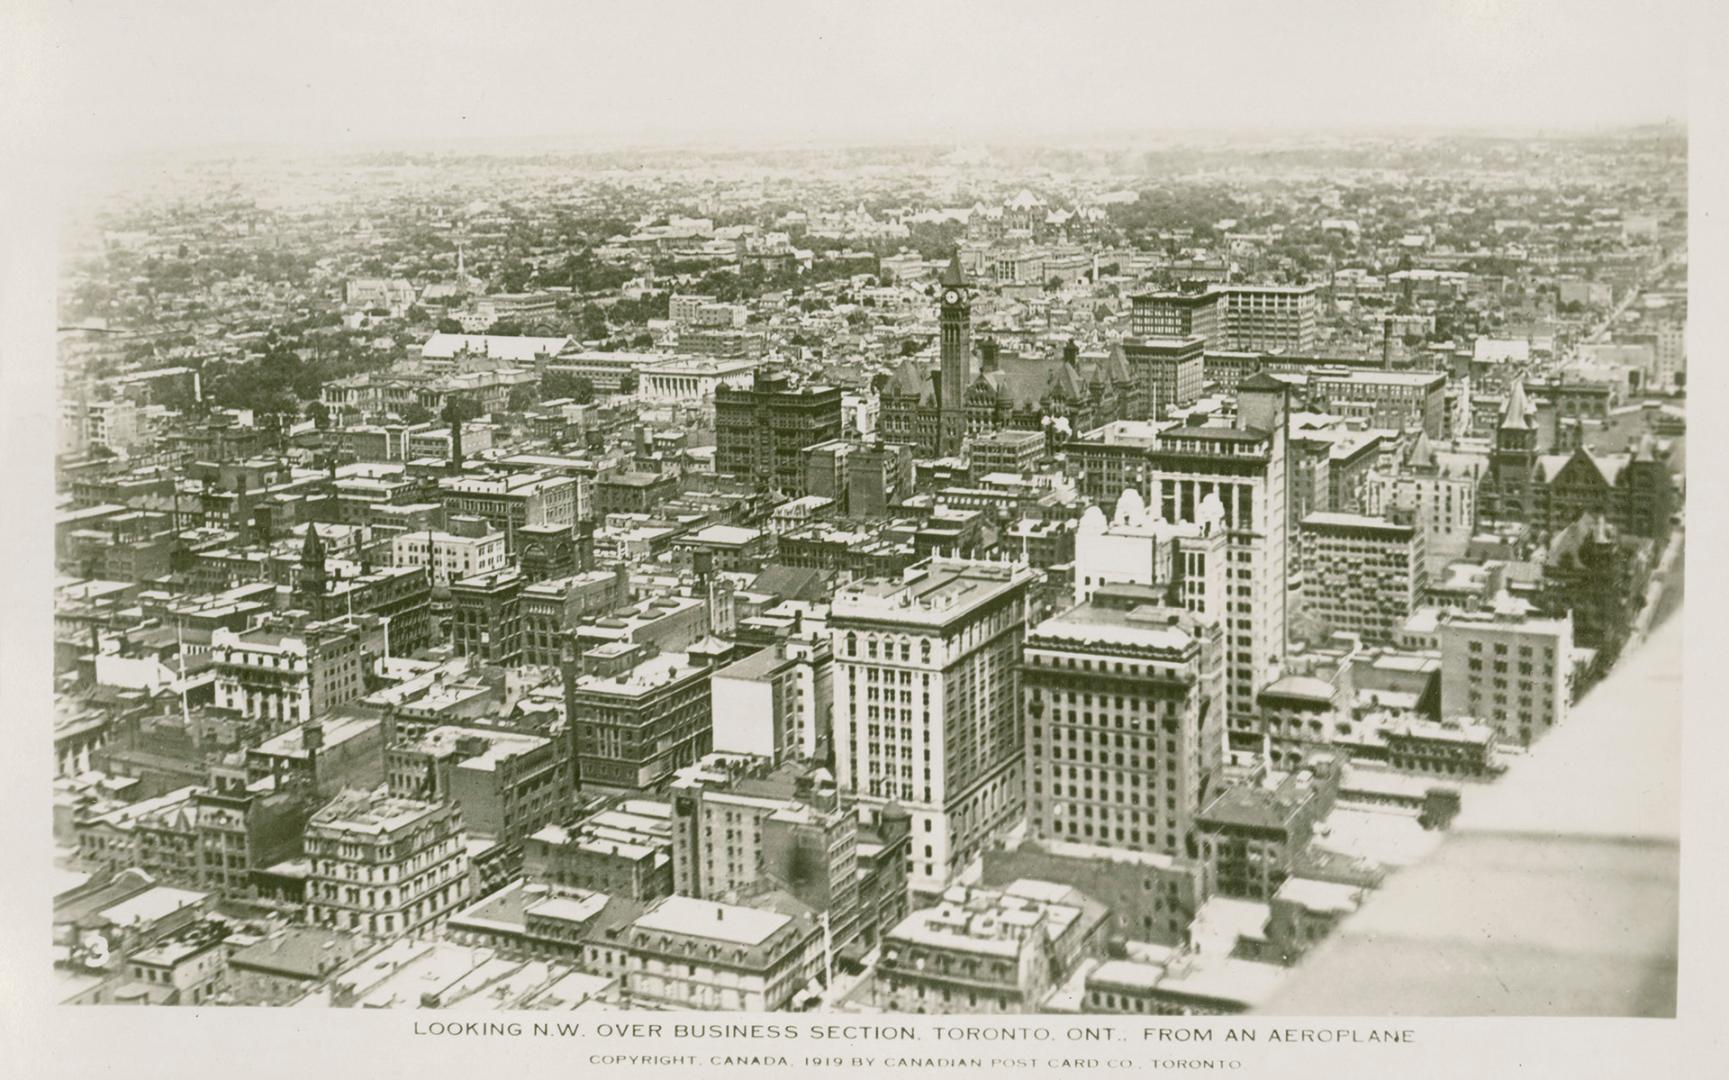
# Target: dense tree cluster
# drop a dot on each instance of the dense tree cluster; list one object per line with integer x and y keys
{"x": 582, "y": 273}
{"x": 1194, "y": 207}
{"x": 291, "y": 371}
{"x": 563, "y": 384}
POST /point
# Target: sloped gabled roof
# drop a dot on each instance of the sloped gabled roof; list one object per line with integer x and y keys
{"x": 911, "y": 379}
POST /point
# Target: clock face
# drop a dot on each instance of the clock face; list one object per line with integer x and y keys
{"x": 951, "y": 297}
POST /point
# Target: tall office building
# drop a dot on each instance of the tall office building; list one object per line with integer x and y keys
{"x": 1270, "y": 318}
{"x": 1183, "y": 313}
{"x": 510, "y": 501}
{"x": 1362, "y": 575}
{"x": 634, "y": 729}
{"x": 956, "y": 341}
{"x": 1171, "y": 371}
{"x": 1243, "y": 467}
{"x": 774, "y": 702}
{"x": 1125, "y": 720}
{"x": 927, "y": 704}
{"x": 741, "y": 825}
{"x": 486, "y": 616}
{"x": 507, "y": 784}
{"x": 762, "y": 432}
{"x": 719, "y": 805}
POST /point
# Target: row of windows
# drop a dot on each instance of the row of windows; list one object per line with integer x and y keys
{"x": 1133, "y": 837}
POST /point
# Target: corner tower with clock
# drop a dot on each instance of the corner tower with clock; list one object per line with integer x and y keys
{"x": 956, "y": 337}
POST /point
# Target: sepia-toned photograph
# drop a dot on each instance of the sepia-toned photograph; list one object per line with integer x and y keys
{"x": 946, "y": 530}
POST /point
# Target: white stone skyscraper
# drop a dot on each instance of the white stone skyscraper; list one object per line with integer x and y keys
{"x": 1243, "y": 466}
{"x": 927, "y": 704}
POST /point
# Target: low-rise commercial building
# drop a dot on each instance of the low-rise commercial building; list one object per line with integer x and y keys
{"x": 634, "y": 729}
{"x": 985, "y": 951}
{"x": 449, "y": 555}
{"x": 384, "y": 865}
{"x": 507, "y": 784}
{"x": 1253, "y": 830}
{"x": 623, "y": 850}
{"x": 689, "y": 953}
{"x": 1507, "y": 668}
{"x": 324, "y": 756}
{"x": 282, "y": 674}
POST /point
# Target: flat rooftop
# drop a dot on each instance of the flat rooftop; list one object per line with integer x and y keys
{"x": 1128, "y": 433}
{"x": 1245, "y": 982}
{"x": 337, "y": 729}
{"x": 370, "y": 812}
{"x": 725, "y": 535}
{"x": 499, "y": 745}
{"x": 730, "y": 923}
{"x": 1385, "y": 378}
{"x": 1147, "y": 626}
{"x": 1384, "y": 835}
{"x": 935, "y": 593}
{"x": 152, "y": 904}
{"x": 1328, "y": 519}
{"x": 1323, "y": 896}
{"x": 653, "y": 673}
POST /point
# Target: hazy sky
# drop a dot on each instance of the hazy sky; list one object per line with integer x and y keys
{"x": 132, "y": 74}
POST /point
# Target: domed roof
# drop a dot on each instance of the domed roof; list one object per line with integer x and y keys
{"x": 1211, "y": 513}
{"x": 1130, "y": 506}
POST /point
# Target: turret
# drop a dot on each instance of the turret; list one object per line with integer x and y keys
{"x": 1516, "y": 432}
{"x": 310, "y": 589}
{"x": 1261, "y": 403}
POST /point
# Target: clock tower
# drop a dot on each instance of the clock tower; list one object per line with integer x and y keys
{"x": 956, "y": 338}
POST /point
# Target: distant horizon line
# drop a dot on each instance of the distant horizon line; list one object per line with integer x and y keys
{"x": 758, "y": 140}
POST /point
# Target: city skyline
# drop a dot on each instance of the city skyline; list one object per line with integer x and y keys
{"x": 922, "y": 524}
{"x": 855, "y": 560}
